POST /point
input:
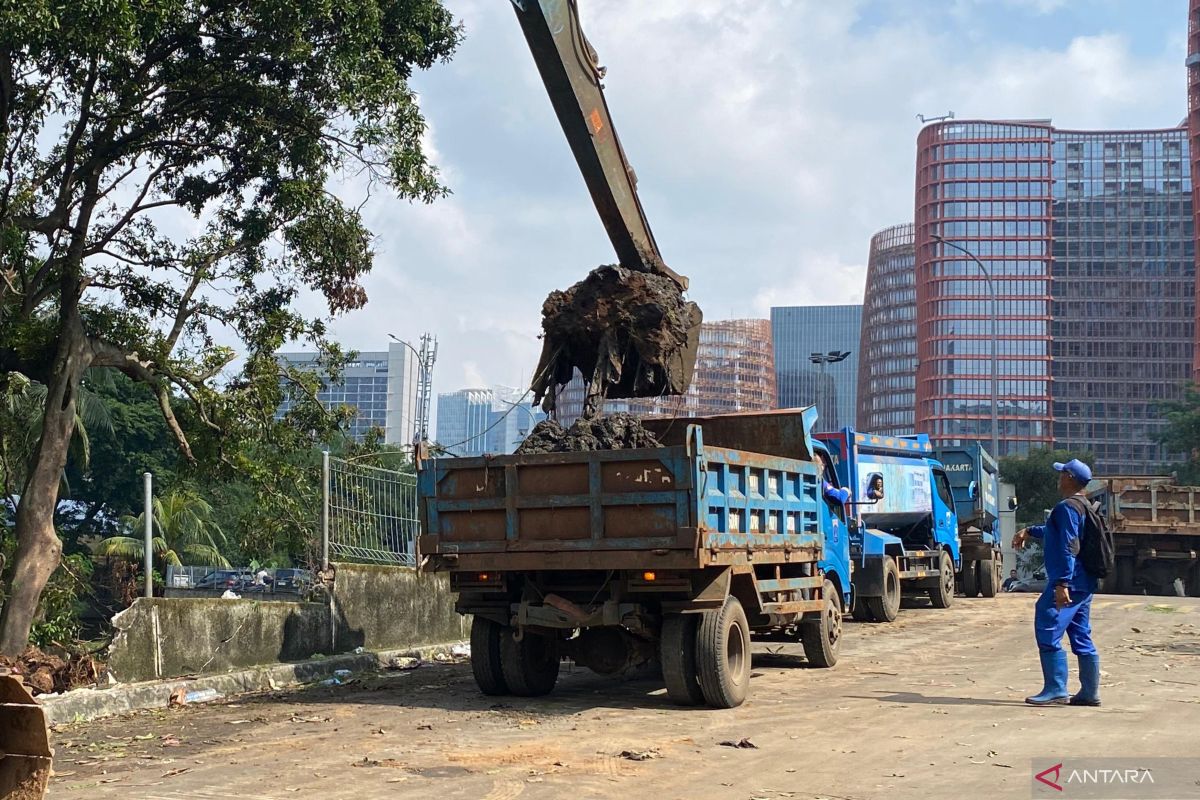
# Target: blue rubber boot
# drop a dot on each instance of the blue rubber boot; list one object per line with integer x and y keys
{"x": 1089, "y": 682}
{"x": 1054, "y": 677}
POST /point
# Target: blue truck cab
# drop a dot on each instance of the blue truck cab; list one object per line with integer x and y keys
{"x": 975, "y": 482}
{"x": 905, "y": 539}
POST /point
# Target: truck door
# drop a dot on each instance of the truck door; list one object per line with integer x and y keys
{"x": 944, "y": 520}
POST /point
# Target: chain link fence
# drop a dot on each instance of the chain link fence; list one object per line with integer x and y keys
{"x": 370, "y": 514}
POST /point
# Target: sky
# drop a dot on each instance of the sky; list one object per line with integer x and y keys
{"x": 771, "y": 139}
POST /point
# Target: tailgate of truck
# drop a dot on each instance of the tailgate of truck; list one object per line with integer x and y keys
{"x": 687, "y": 507}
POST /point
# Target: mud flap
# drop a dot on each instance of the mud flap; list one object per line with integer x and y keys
{"x": 868, "y": 580}
{"x": 25, "y": 754}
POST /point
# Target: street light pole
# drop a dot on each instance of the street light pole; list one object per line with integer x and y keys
{"x": 821, "y": 359}
{"x": 995, "y": 336}
{"x": 421, "y": 424}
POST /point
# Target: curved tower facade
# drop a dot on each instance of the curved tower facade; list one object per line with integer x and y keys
{"x": 1088, "y": 237}
{"x": 887, "y": 351}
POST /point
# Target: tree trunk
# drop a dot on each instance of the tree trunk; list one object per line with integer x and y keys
{"x": 38, "y": 547}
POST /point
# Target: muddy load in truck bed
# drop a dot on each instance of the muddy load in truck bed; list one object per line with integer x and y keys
{"x": 629, "y": 333}
{"x": 613, "y": 432}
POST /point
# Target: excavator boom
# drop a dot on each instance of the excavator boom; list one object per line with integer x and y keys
{"x": 569, "y": 68}
{"x": 628, "y": 330}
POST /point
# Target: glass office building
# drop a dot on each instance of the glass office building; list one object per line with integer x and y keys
{"x": 801, "y": 331}
{"x": 463, "y": 421}
{"x": 380, "y": 385}
{"x": 1088, "y": 241}
{"x": 887, "y": 350}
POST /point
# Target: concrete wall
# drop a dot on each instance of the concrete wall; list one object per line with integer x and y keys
{"x": 379, "y": 607}
{"x": 372, "y": 607}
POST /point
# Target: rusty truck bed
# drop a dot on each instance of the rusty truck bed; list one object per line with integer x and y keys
{"x": 688, "y": 506}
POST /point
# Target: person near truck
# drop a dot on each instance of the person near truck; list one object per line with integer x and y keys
{"x": 1065, "y": 606}
{"x": 1010, "y": 581}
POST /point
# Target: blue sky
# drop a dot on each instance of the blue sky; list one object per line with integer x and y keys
{"x": 771, "y": 138}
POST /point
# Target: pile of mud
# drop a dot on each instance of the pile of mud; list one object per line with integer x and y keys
{"x": 629, "y": 333}
{"x": 45, "y": 673}
{"x": 614, "y": 432}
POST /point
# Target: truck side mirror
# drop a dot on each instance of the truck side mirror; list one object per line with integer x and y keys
{"x": 973, "y": 491}
{"x": 1012, "y": 504}
{"x": 875, "y": 487}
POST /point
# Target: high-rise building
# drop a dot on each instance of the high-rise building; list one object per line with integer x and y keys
{"x": 735, "y": 371}
{"x": 381, "y": 385}
{"x": 1193, "y": 124}
{"x": 1087, "y": 238}
{"x": 805, "y": 333}
{"x": 463, "y": 420}
{"x": 513, "y": 416}
{"x": 887, "y": 348}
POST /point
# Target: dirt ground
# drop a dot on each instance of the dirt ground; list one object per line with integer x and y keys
{"x": 928, "y": 707}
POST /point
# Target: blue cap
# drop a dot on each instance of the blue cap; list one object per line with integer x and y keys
{"x": 1078, "y": 470}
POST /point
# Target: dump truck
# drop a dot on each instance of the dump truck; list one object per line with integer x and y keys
{"x": 1156, "y": 533}
{"x": 25, "y": 755}
{"x": 904, "y": 530}
{"x": 676, "y": 554}
{"x": 975, "y": 482}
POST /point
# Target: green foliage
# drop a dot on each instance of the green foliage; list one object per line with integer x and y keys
{"x": 124, "y": 123}
{"x": 58, "y": 617}
{"x": 1181, "y": 435}
{"x": 1036, "y": 481}
{"x": 184, "y": 533}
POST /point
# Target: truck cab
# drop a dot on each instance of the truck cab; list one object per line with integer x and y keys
{"x": 975, "y": 482}
{"x": 904, "y": 536}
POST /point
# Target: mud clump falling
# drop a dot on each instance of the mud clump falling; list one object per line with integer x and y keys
{"x": 629, "y": 333}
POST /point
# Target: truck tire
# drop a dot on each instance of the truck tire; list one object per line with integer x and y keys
{"x": 677, "y": 653}
{"x": 943, "y": 595}
{"x": 859, "y": 610}
{"x": 723, "y": 655}
{"x": 530, "y": 666}
{"x": 822, "y": 637}
{"x": 989, "y": 577}
{"x": 485, "y": 656}
{"x": 1124, "y": 567}
{"x": 970, "y": 578}
{"x": 885, "y": 609}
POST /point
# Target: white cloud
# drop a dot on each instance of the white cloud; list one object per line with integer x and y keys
{"x": 771, "y": 141}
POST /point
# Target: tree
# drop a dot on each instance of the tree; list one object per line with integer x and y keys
{"x": 1181, "y": 434}
{"x": 1035, "y": 481}
{"x": 118, "y": 122}
{"x": 184, "y": 531}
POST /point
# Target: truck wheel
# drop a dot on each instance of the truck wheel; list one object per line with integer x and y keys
{"x": 943, "y": 595}
{"x": 723, "y": 655}
{"x": 677, "y": 652}
{"x": 885, "y": 609}
{"x": 1124, "y": 567}
{"x": 822, "y": 637}
{"x": 970, "y": 578}
{"x": 860, "y": 610}
{"x": 485, "y": 656}
{"x": 530, "y": 666}
{"x": 989, "y": 577}
{"x": 1192, "y": 584}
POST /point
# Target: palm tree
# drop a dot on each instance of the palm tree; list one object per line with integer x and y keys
{"x": 184, "y": 529}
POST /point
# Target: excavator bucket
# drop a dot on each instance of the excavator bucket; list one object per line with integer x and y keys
{"x": 629, "y": 333}
{"x": 25, "y": 754}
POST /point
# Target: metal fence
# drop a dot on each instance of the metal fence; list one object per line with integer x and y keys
{"x": 370, "y": 514}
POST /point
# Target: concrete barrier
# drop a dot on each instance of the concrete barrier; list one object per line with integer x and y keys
{"x": 379, "y": 607}
{"x": 372, "y": 607}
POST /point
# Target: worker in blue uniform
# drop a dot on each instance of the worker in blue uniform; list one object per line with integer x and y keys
{"x": 1065, "y": 606}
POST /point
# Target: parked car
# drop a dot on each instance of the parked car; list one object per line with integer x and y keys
{"x": 224, "y": 579}
{"x": 297, "y": 581}
{"x": 1036, "y": 584}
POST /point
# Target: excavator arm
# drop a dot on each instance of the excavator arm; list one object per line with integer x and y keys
{"x": 569, "y": 67}
{"x": 627, "y": 330}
